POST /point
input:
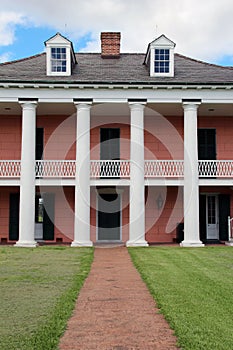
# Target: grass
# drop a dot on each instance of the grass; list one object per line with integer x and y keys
{"x": 194, "y": 290}
{"x": 38, "y": 289}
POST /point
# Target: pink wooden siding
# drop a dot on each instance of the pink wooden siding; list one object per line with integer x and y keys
{"x": 161, "y": 222}
{"x": 59, "y": 136}
{"x": 10, "y": 137}
{"x": 224, "y": 132}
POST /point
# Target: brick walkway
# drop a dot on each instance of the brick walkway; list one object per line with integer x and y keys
{"x": 115, "y": 311}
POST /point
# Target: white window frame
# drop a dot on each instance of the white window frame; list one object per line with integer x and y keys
{"x": 49, "y": 60}
{"x": 171, "y": 62}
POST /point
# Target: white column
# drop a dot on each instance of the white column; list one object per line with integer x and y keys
{"x": 191, "y": 188}
{"x": 82, "y": 187}
{"x": 137, "y": 191}
{"x": 27, "y": 180}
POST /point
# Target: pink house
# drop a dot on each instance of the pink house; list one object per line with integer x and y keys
{"x": 115, "y": 147}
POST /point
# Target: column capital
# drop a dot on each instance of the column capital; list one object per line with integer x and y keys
{"x": 136, "y": 105}
{"x": 191, "y": 105}
{"x": 27, "y": 105}
{"x": 83, "y": 106}
{"x": 83, "y": 102}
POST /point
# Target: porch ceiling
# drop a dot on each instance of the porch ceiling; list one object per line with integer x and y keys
{"x": 120, "y": 109}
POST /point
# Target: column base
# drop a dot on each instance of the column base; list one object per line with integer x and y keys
{"x": 137, "y": 244}
{"x": 26, "y": 244}
{"x": 192, "y": 244}
{"x": 229, "y": 243}
{"x": 82, "y": 244}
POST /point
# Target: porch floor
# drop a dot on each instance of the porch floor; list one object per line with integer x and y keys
{"x": 115, "y": 310}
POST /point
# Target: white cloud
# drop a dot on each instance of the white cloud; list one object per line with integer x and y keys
{"x": 5, "y": 57}
{"x": 201, "y": 29}
{"x": 8, "y": 22}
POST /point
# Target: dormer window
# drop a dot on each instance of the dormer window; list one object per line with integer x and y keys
{"x": 162, "y": 61}
{"x": 160, "y": 57}
{"x": 58, "y": 59}
{"x": 60, "y": 56}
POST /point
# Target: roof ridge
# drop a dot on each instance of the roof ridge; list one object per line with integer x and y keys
{"x": 203, "y": 62}
{"x": 22, "y": 59}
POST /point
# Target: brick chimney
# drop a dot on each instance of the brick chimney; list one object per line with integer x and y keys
{"x": 110, "y": 44}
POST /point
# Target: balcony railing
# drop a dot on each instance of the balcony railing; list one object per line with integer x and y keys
{"x": 110, "y": 169}
{"x": 215, "y": 168}
{"x": 164, "y": 168}
{"x": 55, "y": 168}
{"x": 10, "y": 168}
{"x": 118, "y": 169}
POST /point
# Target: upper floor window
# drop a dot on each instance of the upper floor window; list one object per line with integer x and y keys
{"x": 60, "y": 56}
{"x": 160, "y": 57}
{"x": 162, "y": 60}
{"x": 58, "y": 59}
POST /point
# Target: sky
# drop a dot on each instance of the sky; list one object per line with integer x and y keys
{"x": 201, "y": 29}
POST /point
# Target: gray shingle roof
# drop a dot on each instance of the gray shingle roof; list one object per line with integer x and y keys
{"x": 129, "y": 68}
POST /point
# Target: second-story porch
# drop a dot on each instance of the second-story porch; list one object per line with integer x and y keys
{"x": 157, "y": 144}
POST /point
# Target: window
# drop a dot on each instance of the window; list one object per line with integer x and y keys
{"x": 60, "y": 56}
{"x": 58, "y": 59}
{"x": 160, "y": 57}
{"x": 162, "y": 60}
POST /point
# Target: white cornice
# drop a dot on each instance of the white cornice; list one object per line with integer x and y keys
{"x": 116, "y": 86}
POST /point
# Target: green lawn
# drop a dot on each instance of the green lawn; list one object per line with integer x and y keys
{"x": 194, "y": 290}
{"x": 38, "y": 289}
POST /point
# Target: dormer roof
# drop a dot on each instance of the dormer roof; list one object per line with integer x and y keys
{"x": 60, "y": 56}
{"x": 161, "y": 41}
{"x": 59, "y": 39}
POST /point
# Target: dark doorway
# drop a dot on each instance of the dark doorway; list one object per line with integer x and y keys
{"x": 109, "y": 217}
{"x": 109, "y": 143}
{"x": 39, "y": 143}
{"x": 206, "y": 144}
{"x": 214, "y": 211}
{"x": 110, "y": 150}
{"x": 14, "y": 217}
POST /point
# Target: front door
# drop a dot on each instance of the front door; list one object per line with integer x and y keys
{"x": 212, "y": 217}
{"x": 109, "y": 217}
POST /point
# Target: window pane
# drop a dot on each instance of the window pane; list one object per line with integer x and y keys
{"x": 162, "y": 60}
{"x": 58, "y": 59}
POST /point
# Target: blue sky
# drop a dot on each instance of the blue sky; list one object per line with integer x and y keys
{"x": 34, "y": 37}
{"x": 201, "y": 30}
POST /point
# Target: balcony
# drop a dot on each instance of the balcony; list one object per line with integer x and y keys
{"x": 118, "y": 169}
{"x": 109, "y": 169}
{"x": 164, "y": 168}
{"x": 55, "y": 169}
{"x": 215, "y": 168}
{"x": 10, "y": 168}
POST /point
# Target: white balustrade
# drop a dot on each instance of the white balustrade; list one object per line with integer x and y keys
{"x": 55, "y": 168}
{"x": 164, "y": 168}
{"x": 110, "y": 169}
{"x": 10, "y": 168}
{"x": 118, "y": 168}
{"x": 215, "y": 168}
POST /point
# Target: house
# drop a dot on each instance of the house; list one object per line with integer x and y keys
{"x": 115, "y": 147}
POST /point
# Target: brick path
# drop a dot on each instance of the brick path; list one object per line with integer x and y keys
{"x": 115, "y": 311}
